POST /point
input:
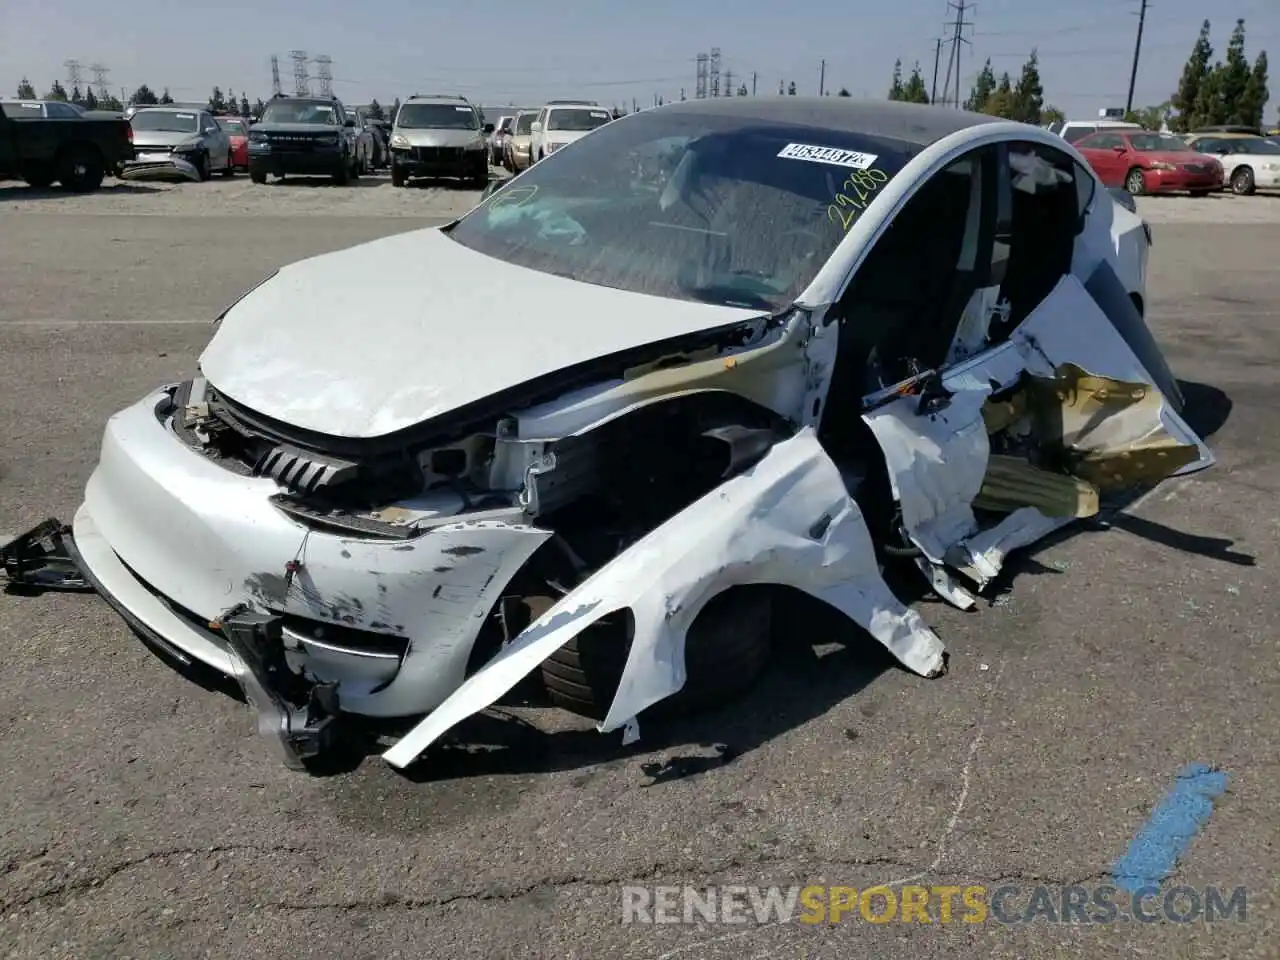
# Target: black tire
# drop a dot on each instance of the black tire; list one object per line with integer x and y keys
{"x": 1135, "y": 182}
{"x": 342, "y": 176}
{"x": 726, "y": 648}
{"x": 40, "y": 177}
{"x": 202, "y": 167}
{"x": 355, "y": 169}
{"x": 398, "y": 179}
{"x": 480, "y": 179}
{"x": 1242, "y": 183}
{"x": 257, "y": 176}
{"x": 80, "y": 169}
{"x": 230, "y": 169}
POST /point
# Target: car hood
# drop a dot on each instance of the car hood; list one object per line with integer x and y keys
{"x": 442, "y": 138}
{"x": 161, "y": 138}
{"x": 565, "y": 136}
{"x": 370, "y": 340}
{"x": 1178, "y": 157}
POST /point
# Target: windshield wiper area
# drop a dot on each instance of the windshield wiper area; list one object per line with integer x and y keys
{"x": 727, "y": 295}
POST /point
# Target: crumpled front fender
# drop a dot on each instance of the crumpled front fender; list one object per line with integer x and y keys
{"x": 788, "y": 520}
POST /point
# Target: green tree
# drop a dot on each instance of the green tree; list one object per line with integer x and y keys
{"x": 791, "y": 89}
{"x": 914, "y": 91}
{"x": 90, "y": 99}
{"x": 1195, "y": 77}
{"x": 743, "y": 91}
{"x": 983, "y": 87}
{"x": 1028, "y": 95}
{"x": 1001, "y": 103}
{"x": 1051, "y": 114}
{"x": 25, "y": 90}
{"x": 216, "y": 102}
{"x": 1151, "y": 118}
{"x": 1234, "y": 76}
{"x": 395, "y": 110}
{"x": 896, "y": 89}
{"x": 57, "y": 92}
{"x": 164, "y": 97}
{"x": 1256, "y": 94}
{"x": 144, "y": 96}
{"x": 258, "y": 108}
{"x": 375, "y": 110}
{"x": 844, "y": 93}
{"x": 111, "y": 103}
{"x": 76, "y": 95}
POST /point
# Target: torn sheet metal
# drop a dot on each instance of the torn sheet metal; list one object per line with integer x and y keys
{"x": 171, "y": 170}
{"x": 789, "y": 520}
{"x": 936, "y": 463}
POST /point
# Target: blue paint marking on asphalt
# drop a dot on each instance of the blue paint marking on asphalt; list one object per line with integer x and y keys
{"x": 1173, "y": 824}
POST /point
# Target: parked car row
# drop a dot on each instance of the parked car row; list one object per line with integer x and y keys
{"x": 1201, "y": 162}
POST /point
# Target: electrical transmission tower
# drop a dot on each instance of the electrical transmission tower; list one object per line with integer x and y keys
{"x": 324, "y": 70}
{"x": 700, "y": 83}
{"x": 100, "y": 81}
{"x": 275, "y": 75}
{"x": 958, "y": 41}
{"x": 74, "y": 78}
{"x": 301, "y": 82}
{"x": 715, "y": 72}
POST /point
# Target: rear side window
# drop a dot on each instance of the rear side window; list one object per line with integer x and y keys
{"x": 16, "y": 111}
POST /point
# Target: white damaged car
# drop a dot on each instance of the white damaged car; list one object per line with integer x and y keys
{"x": 588, "y": 429}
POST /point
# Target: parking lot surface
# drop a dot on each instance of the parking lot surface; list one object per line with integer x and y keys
{"x": 141, "y": 815}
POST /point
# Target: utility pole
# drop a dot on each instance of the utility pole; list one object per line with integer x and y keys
{"x": 822, "y": 77}
{"x": 1137, "y": 49}
{"x": 937, "y": 57}
{"x": 957, "y": 41}
{"x": 753, "y": 83}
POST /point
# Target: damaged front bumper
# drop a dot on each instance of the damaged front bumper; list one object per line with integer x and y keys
{"x": 171, "y": 169}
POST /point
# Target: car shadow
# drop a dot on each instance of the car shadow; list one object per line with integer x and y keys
{"x": 819, "y": 659}
{"x": 19, "y": 191}
{"x": 299, "y": 182}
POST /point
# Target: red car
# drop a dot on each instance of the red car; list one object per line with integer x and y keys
{"x": 237, "y": 129}
{"x": 1150, "y": 163}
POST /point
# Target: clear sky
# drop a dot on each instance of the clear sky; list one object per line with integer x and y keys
{"x": 503, "y": 51}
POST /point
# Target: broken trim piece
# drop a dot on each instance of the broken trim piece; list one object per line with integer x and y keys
{"x": 788, "y": 520}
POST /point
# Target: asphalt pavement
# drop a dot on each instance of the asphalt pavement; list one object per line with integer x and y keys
{"x": 141, "y": 816}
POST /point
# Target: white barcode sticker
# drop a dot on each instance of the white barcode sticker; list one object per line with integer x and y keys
{"x": 833, "y": 155}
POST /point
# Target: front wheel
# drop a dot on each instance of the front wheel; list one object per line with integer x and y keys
{"x": 1242, "y": 184}
{"x": 725, "y": 650}
{"x": 1135, "y": 182}
{"x": 398, "y": 178}
{"x": 257, "y": 176}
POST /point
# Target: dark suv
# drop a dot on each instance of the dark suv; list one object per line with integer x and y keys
{"x": 310, "y": 136}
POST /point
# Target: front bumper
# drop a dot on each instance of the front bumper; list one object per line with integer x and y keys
{"x": 1178, "y": 181}
{"x": 440, "y": 162}
{"x": 174, "y": 540}
{"x": 303, "y": 163}
{"x": 1266, "y": 179}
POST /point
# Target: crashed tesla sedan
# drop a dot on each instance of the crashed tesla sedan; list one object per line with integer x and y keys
{"x": 591, "y": 427}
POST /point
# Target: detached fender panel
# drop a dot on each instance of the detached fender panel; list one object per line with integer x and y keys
{"x": 788, "y": 520}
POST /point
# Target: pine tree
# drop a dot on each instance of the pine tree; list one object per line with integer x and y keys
{"x": 1235, "y": 77}
{"x": 1001, "y": 103}
{"x": 375, "y": 110}
{"x": 57, "y": 92}
{"x": 144, "y": 96}
{"x": 244, "y": 105}
{"x": 164, "y": 97}
{"x": 90, "y": 99}
{"x": 844, "y": 93}
{"x": 914, "y": 90}
{"x": 1256, "y": 94}
{"x": 216, "y": 103}
{"x": 896, "y": 89}
{"x": 76, "y": 95}
{"x": 25, "y": 90}
{"x": 1051, "y": 114}
{"x": 1195, "y": 76}
{"x": 791, "y": 89}
{"x": 1028, "y": 95}
{"x": 395, "y": 109}
{"x": 982, "y": 90}
{"x": 258, "y": 108}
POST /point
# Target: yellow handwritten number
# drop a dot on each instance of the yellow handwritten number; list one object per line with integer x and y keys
{"x": 860, "y": 185}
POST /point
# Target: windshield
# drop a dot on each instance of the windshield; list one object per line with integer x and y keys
{"x": 233, "y": 127}
{"x": 300, "y": 112}
{"x": 437, "y": 116}
{"x": 524, "y": 124}
{"x": 167, "y": 121}
{"x": 576, "y": 120}
{"x": 1152, "y": 142}
{"x": 719, "y": 209}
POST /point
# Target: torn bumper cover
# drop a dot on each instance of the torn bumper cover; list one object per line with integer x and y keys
{"x": 170, "y": 170}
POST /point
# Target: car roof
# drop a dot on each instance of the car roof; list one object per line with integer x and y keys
{"x": 1224, "y": 135}
{"x": 912, "y": 123}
